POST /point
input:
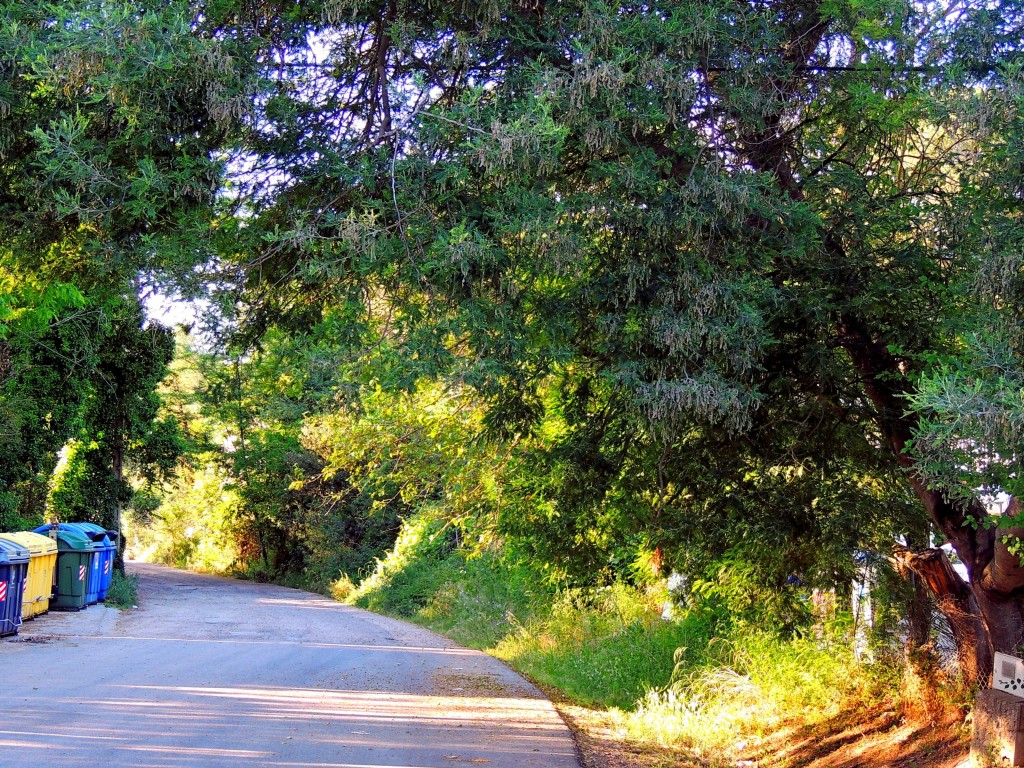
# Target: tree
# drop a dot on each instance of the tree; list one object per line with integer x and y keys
{"x": 119, "y": 420}
{"x": 46, "y": 336}
{"x": 967, "y": 434}
{"x": 110, "y": 120}
{"x": 722, "y": 219}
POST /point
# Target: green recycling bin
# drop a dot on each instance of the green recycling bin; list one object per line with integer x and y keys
{"x": 74, "y": 558}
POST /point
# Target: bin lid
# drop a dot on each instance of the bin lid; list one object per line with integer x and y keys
{"x": 89, "y": 527}
{"x": 73, "y": 540}
{"x": 12, "y": 553}
{"x": 36, "y": 543}
{"x": 76, "y": 530}
{"x": 97, "y": 533}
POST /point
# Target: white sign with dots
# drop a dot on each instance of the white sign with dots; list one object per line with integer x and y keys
{"x": 1008, "y": 674}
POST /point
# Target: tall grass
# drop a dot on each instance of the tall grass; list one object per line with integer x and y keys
{"x": 694, "y": 682}
{"x": 603, "y": 648}
{"x": 752, "y": 687}
{"x": 124, "y": 590}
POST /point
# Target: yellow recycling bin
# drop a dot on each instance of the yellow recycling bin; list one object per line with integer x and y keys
{"x": 39, "y": 584}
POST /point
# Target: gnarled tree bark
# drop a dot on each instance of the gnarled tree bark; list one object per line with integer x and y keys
{"x": 953, "y": 597}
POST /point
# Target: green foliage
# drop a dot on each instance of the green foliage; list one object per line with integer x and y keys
{"x": 400, "y": 450}
{"x": 411, "y": 571}
{"x": 974, "y": 417}
{"x": 117, "y": 424}
{"x": 737, "y": 591}
{"x": 110, "y": 115}
{"x": 343, "y": 539}
{"x": 42, "y": 398}
{"x": 604, "y": 648}
{"x": 970, "y": 401}
{"x": 194, "y": 525}
{"x": 10, "y": 520}
{"x": 291, "y": 516}
{"x": 629, "y": 289}
{"x": 110, "y": 121}
{"x": 610, "y": 290}
{"x": 29, "y": 308}
{"x": 69, "y": 492}
{"x": 124, "y": 591}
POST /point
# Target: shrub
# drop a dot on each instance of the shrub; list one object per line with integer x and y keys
{"x": 124, "y": 591}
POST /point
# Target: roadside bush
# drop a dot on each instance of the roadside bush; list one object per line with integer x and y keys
{"x": 124, "y": 591}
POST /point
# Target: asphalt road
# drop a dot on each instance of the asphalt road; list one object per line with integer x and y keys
{"x": 213, "y": 673}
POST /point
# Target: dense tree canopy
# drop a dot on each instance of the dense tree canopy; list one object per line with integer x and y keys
{"x": 111, "y": 123}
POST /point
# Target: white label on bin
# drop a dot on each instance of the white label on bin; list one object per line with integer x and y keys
{"x": 3, "y": 591}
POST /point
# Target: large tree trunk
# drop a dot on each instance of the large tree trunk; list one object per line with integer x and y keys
{"x": 1003, "y": 614}
{"x": 955, "y": 600}
{"x": 993, "y": 601}
{"x": 986, "y": 614}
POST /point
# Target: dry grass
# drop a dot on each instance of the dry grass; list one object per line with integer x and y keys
{"x": 879, "y": 737}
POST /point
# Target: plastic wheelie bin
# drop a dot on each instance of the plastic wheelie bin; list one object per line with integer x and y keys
{"x": 42, "y": 552}
{"x": 13, "y": 575}
{"x": 109, "y": 551}
{"x": 74, "y": 558}
{"x": 93, "y": 571}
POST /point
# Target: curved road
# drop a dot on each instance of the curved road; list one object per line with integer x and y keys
{"x": 215, "y": 673}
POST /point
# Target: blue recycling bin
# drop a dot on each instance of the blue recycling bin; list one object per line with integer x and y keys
{"x": 13, "y": 579}
{"x": 107, "y": 555}
{"x": 94, "y": 574}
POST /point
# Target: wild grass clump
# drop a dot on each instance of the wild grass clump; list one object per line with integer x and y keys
{"x": 342, "y": 588}
{"x": 124, "y": 591}
{"x": 603, "y": 648}
{"x": 752, "y": 686}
